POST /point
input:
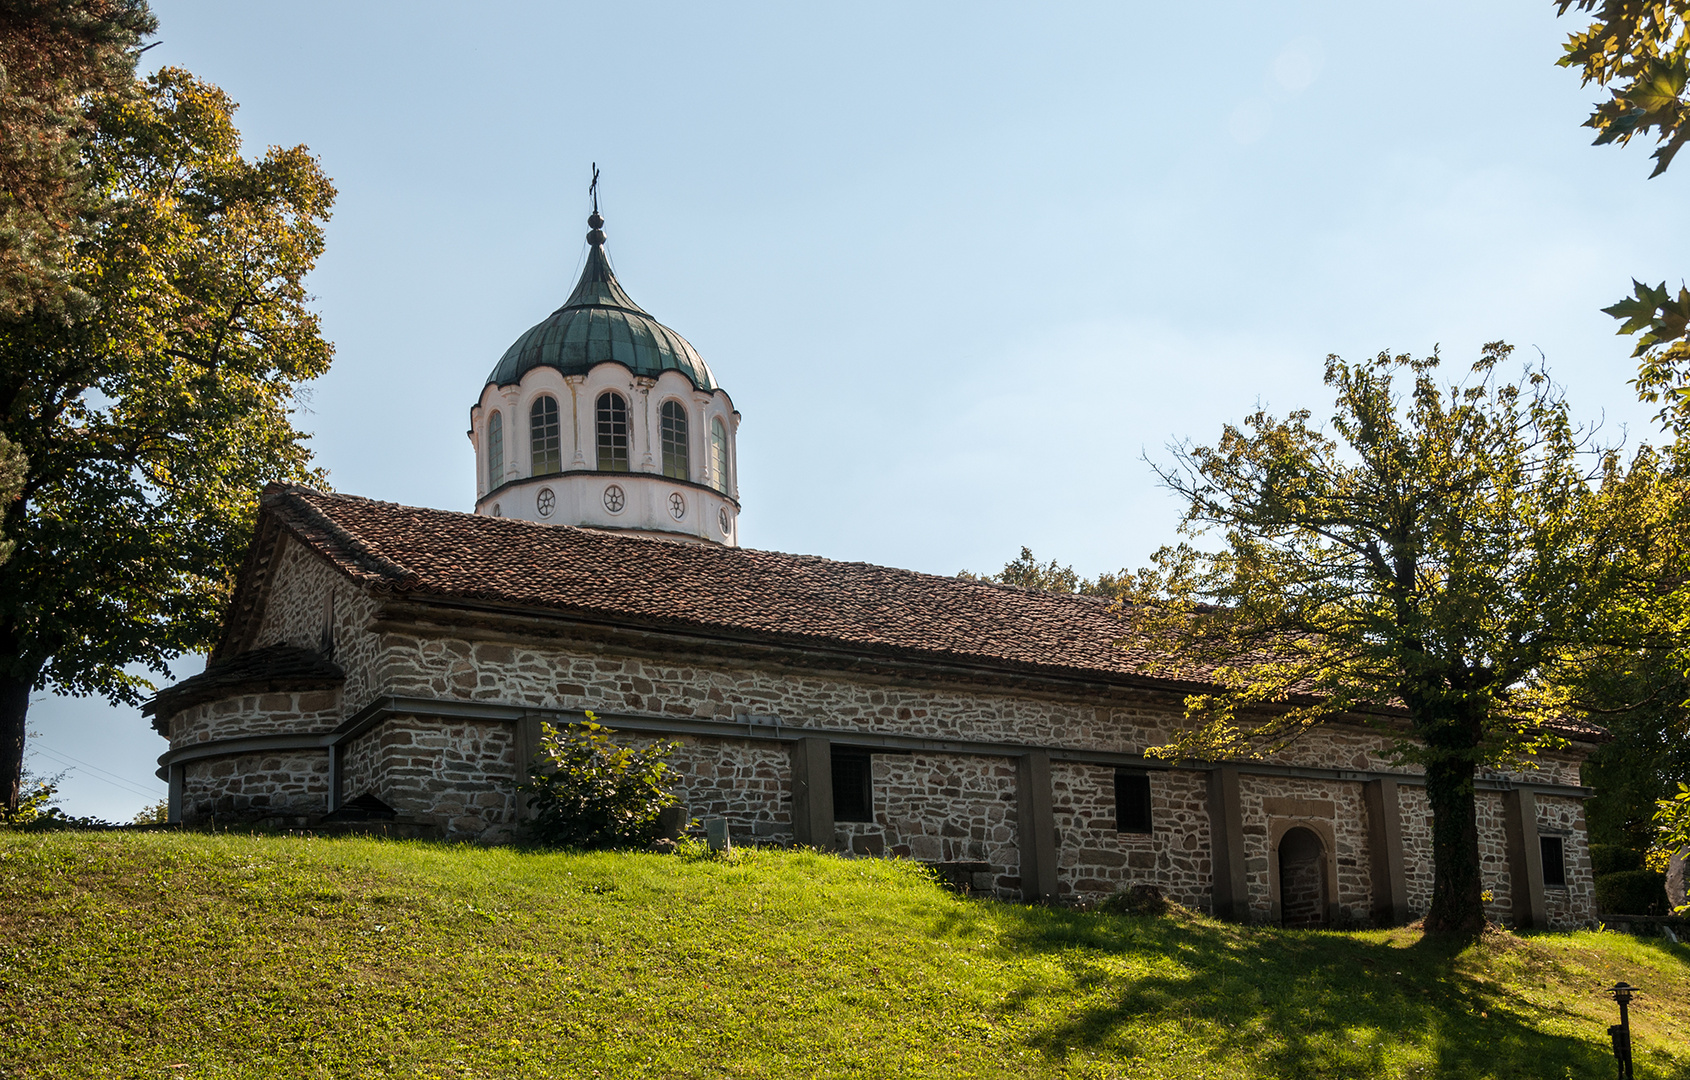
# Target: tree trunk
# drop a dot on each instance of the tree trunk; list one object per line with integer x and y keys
{"x": 14, "y": 709}
{"x": 1457, "y": 907}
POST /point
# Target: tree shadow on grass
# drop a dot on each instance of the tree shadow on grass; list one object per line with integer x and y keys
{"x": 1294, "y": 1004}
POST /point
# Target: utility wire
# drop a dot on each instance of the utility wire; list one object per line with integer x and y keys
{"x": 114, "y": 779}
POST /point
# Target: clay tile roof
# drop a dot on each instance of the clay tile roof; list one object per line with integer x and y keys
{"x": 797, "y": 599}
{"x": 738, "y": 592}
{"x": 273, "y": 668}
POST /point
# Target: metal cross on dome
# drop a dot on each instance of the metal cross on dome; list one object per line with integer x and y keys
{"x": 593, "y": 188}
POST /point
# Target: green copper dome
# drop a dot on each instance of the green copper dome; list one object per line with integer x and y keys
{"x": 599, "y": 323}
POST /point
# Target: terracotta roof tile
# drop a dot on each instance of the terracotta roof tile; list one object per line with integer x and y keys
{"x": 799, "y": 599}
{"x": 796, "y": 599}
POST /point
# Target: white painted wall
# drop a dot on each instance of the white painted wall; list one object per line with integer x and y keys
{"x": 651, "y": 503}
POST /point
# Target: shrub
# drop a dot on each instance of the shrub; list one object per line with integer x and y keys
{"x": 588, "y": 792}
{"x": 1632, "y": 892}
{"x": 37, "y": 809}
{"x": 1613, "y": 859}
{"x": 1138, "y": 900}
{"x": 156, "y": 814}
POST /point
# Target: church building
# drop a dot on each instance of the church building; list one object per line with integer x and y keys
{"x": 397, "y": 663}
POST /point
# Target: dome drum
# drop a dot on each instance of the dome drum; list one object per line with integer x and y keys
{"x": 602, "y": 417}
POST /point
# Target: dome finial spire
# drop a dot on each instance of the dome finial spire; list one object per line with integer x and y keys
{"x": 594, "y": 221}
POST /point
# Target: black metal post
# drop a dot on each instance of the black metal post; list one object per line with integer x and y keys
{"x": 1620, "y": 1033}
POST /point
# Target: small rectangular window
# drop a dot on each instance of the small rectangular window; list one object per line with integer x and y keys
{"x": 1554, "y": 861}
{"x": 1132, "y": 802}
{"x": 853, "y": 785}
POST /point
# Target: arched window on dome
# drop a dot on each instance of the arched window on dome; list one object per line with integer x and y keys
{"x": 719, "y": 456}
{"x": 613, "y": 432}
{"x": 545, "y": 444}
{"x": 495, "y": 451}
{"x": 676, "y": 462}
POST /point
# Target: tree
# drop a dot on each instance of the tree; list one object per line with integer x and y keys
{"x": 12, "y": 466}
{"x": 1429, "y": 561}
{"x": 151, "y": 395}
{"x": 1639, "y": 50}
{"x": 1026, "y": 572}
{"x": 1639, "y": 693}
{"x": 55, "y": 57}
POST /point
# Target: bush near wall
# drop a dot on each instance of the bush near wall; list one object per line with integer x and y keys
{"x": 1632, "y": 892}
{"x": 1613, "y": 859}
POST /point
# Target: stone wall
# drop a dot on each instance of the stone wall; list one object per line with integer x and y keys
{"x": 721, "y": 690}
{"x": 1573, "y": 906}
{"x": 299, "y": 712}
{"x": 1494, "y": 869}
{"x": 747, "y": 783}
{"x": 1335, "y": 810}
{"x": 245, "y": 787}
{"x": 458, "y": 774}
{"x": 308, "y": 596}
{"x": 932, "y": 806}
{"x": 943, "y": 808}
{"x": 1096, "y": 860}
{"x": 1417, "y": 847}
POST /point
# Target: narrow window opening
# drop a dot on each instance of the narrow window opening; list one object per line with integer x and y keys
{"x": 1554, "y": 861}
{"x": 1132, "y": 802}
{"x": 676, "y": 463}
{"x": 495, "y": 451}
{"x": 853, "y": 785}
{"x": 613, "y": 433}
{"x": 545, "y": 444}
{"x": 718, "y": 456}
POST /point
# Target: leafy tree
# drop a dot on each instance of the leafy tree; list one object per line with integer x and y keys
{"x": 1639, "y": 50}
{"x": 1639, "y": 693}
{"x": 1027, "y": 572}
{"x": 55, "y": 57}
{"x": 151, "y": 389}
{"x": 12, "y": 466}
{"x": 1431, "y": 556}
{"x": 588, "y": 792}
{"x": 156, "y": 814}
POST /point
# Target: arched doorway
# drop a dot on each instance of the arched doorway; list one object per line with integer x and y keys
{"x": 1302, "y": 879}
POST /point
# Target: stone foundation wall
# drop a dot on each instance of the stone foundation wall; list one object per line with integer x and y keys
{"x": 245, "y": 787}
{"x": 459, "y": 774}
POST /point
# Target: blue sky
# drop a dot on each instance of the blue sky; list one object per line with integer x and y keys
{"x": 961, "y": 266}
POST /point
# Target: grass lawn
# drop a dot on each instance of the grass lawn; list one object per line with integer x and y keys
{"x": 176, "y": 955}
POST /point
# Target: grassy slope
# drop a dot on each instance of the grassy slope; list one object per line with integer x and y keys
{"x": 170, "y": 955}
